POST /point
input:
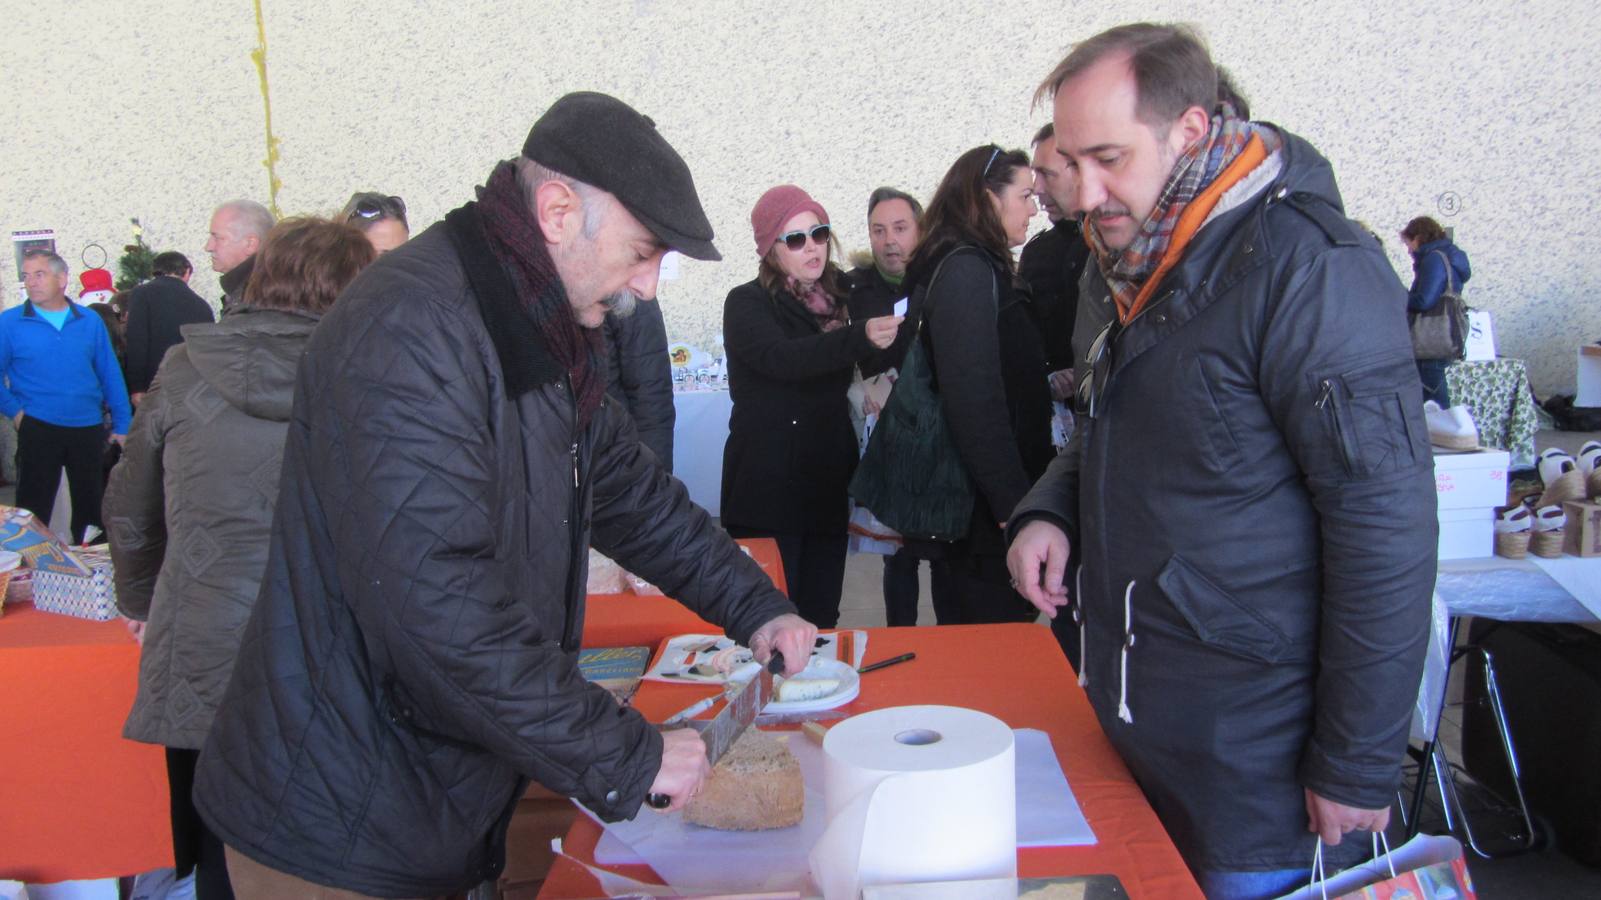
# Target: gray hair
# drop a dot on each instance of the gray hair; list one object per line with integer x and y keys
{"x": 1172, "y": 69}
{"x": 57, "y": 264}
{"x": 249, "y": 217}
{"x": 530, "y": 175}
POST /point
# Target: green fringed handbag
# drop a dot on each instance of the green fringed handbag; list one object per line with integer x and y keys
{"x": 911, "y": 476}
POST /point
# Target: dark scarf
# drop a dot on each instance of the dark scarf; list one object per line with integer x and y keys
{"x": 516, "y": 241}
{"x": 823, "y": 306}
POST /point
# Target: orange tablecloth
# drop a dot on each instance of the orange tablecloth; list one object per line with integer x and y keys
{"x": 76, "y": 800}
{"x": 628, "y": 620}
{"x": 1014, "y": 672}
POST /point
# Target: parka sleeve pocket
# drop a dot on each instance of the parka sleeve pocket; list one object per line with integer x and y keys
{"x": 1366, "y": 415}
{"x": 1220, "y": 620}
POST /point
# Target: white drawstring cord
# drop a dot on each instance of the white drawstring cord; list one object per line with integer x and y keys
{"x": 1123, "y": 712}
{"x": 1083, "y": 640}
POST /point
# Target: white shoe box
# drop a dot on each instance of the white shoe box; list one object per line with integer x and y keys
{"x": 1467, "y": 533}
{"x": 1470, "y": 480}
{"x": 1468, "y": 488}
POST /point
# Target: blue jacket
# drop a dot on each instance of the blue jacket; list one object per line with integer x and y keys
{"x": 61, "y": 377}
{"x": 1428, "y": 273}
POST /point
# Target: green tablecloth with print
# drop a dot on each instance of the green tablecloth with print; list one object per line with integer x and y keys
{"x": 1497, "y": 392}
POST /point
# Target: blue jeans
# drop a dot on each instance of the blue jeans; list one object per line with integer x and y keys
{"x": 1219, "y": 885}
{"x": 1432, "y": 373}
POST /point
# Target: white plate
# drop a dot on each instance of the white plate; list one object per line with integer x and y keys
{"x": 850, "y": 685}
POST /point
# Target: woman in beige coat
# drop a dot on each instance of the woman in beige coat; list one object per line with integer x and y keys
{"x": 189, "y": 507}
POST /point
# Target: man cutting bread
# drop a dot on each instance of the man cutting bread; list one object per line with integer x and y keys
{"x": 452, "y": 454}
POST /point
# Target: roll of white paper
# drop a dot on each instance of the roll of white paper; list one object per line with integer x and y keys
{"x": 916, "y": 794}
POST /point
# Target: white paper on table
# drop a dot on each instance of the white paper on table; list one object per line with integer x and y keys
{"x": 1578, "y": 576}
{"x": 689, "y": 857}
{"x": 900, "y": 306}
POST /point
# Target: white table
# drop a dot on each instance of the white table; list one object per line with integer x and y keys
{"x": 698, "y": 438}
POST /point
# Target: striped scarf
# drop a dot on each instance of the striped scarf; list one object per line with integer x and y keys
{"x": 1126, "y": 271}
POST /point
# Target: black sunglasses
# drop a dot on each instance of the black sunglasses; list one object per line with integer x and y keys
{"x": 368, "y": 208}
{"x": 1099, "y": 359}
{"x": 795, "y": 240}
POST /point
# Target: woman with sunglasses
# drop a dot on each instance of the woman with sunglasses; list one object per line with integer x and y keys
{"x": 792, "y": 352}
{"x": 990, "y": 369}
{"x": 381, "y": 217}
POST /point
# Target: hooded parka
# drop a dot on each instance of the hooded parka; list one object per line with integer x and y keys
{"x": 1251, "y": 509}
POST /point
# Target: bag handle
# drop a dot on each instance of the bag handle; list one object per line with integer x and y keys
{"x": 1321, "y": 880}
{"x": 995, "y": 298}
{"x": 1447, "y": 260}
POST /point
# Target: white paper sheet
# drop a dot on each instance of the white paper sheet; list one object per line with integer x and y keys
{"x": 692, "y": 858}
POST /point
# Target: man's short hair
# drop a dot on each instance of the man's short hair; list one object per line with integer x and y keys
{"x": 530, "y": 175}
{"x": 1228, "y": 92}
{"x": 250, "y": 217}
{"x": 888, "y": 193}
{"x": 1172, "y": 69}
{"x": 57, "y": 264}
{"x": 1047, "y": 132}
{"x": 171, "y": 262}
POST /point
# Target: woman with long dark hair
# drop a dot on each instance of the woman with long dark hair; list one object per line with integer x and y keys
{"x": 190, "y": 505}
{"x": 792, "y": 351}
{"x": 989, "y": 366}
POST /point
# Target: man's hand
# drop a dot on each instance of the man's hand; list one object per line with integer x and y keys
{"x": 881, "y": 330}
{"x": 1062, "y": 384}
{"x": 684, "y": 769}
{"x": 1040, "y": 544}
{"x": 1332, "y": 820}
{"x": 119, "y": 439}
{"x": 790, "y": 635}
{"x": 135, "y": 397}
{"x": 136, "y": 628}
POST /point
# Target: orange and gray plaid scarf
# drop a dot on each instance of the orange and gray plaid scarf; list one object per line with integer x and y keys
{"x": 1126, "y": 271}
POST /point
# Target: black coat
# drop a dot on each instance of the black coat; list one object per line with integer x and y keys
{"x": 871, "y": 297}
{"x": 1259, "y": 472}
{"x": 411, "y": 660}
{"x": 640, "y": 376}
{"x": 156, "y": 310}
{"x": 1050, "y": 265}
{"x": 791, "y": 447}
{"x": 990, "y": 371}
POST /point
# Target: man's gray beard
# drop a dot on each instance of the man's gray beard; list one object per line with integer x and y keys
{"x": 621, "y": 304}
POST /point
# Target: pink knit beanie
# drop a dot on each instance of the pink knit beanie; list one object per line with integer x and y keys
{"x": 777, "y": 206}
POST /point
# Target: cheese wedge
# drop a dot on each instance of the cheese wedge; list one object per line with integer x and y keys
{"x": 799, "y": 688}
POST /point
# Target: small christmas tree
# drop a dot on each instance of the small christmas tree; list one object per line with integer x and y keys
{"x": 135, "y": 266}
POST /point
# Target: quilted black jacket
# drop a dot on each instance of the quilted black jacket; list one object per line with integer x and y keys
{"x": 410, "y": 662}
{"x": 1252, "y": 513}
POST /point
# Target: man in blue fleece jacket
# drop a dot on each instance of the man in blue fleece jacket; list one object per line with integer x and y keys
{"x": 60, "y": 375}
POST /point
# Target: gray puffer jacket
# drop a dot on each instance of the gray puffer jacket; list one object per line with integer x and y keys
{"x": 412, "y": 659}
{"x": 1252, "y": 512}
{"x": 189, "y": 507}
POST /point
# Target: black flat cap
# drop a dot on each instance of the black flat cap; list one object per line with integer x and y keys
{"x": 603, "y": 141}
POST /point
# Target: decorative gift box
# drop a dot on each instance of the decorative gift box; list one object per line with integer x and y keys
{"x": 91, "y": 596}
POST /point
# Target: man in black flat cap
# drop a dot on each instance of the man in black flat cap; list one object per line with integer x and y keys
{"x": 411, "y": 661}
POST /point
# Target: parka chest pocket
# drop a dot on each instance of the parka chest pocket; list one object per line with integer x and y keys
{"x": 1365, "y": 413}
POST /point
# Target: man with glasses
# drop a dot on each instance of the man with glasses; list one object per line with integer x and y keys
{"x": 157, "y": 310}
{"x": 411, "y": 661}
{"x": 235, "y": 234}
{"x": 1246, "y": 533}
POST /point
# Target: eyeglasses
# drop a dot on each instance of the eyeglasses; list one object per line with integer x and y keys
{"x": 369, "y": 208}
{"x": 796, "y": 240}
{"x": 1099, "y": 359}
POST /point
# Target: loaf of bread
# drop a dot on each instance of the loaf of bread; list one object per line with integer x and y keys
{"x": 755, "y": 786}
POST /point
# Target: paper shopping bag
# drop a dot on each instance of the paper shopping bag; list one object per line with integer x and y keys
{"x": 1428, "y": 867}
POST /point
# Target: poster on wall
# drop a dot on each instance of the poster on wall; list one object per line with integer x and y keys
{"x": 24, "y": 241}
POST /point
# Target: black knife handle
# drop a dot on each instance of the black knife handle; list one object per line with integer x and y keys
{"x": 775, "y": 663}
{"x": 658, "y": 801}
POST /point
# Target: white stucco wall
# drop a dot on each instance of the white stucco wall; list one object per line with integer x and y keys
{"x": 152, "y": 108}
